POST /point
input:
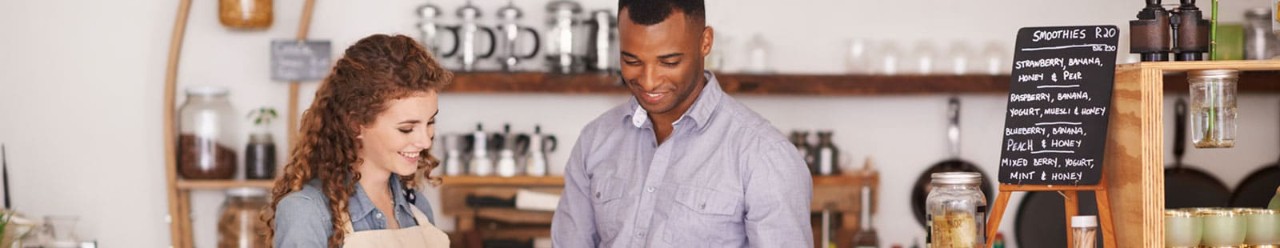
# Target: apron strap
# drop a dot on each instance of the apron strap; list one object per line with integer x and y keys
{"x": 419, "y": 216}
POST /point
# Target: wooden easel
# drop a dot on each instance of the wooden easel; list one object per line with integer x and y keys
{"x": 1071, "y": 202}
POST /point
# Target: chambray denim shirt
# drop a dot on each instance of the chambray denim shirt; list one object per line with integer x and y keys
{"x": 302, "y": 217}
{"x": 724, "y": 178}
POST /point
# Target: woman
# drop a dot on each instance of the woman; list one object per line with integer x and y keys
{"x": 364, "y": 147}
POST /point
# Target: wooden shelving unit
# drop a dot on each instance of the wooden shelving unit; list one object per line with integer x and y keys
{"x": 797, "y": 84}
{"x": 1134, "y": 162}
{"x": 221, "y": 184}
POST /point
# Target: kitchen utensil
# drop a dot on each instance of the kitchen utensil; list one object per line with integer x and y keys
{"x": 603, "y": 36}
{"x": 510, "y": 28}
{"x": 431, "y": 32}
{"x": 468, "y": 44}
{"x": 952, "y": 164}
{"x": 512, "y": 146}
{"x": 1194, "y": 187}
{"x": 481, "y": 164}
{"x": 539, "y": 146}
{"x": 1257, "y": 188}
{"x": 561, "y": 39}
{"x": 454, "y": 160}
{"x": 4, "y": 164}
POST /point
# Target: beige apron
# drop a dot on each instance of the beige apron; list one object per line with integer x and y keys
{"x": 424, "y": 235}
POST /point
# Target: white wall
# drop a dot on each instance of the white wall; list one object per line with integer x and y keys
{"x": 81, "y": 86}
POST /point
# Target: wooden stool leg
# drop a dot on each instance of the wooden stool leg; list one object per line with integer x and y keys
{"x": 997, "y": 213}
{"x": 1104, "y": 219}
{"x": 1071, "y": 203}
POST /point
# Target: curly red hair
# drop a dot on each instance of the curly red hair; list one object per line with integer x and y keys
{"x": 374, "y": 71}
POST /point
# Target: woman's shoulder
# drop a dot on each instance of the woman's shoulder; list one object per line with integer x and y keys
{"x": 309, "y": 202}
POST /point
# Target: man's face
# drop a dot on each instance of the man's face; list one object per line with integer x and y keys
{"x": 662, "y": 63}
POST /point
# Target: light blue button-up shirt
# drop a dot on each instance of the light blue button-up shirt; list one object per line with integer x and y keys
{"x": 302, "y": 217}
{"x": 724, "y": 178}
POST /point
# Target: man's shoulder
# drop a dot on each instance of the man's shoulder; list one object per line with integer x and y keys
{"x": 751, "y": 125}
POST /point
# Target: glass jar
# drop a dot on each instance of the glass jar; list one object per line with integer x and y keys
{"x": 1222, "y": 228}
{"x": 260, "y": 157}
{"x": 245, "y": 14}
{"x": 1182, "y": 228}
{"x": 1262, "y": 225}
{"x": 1275, "y": 201}
{"x": 206, "y": 134}
{"x": 1084, "y": 231}
{"x": 957, "y": 210}
{"x": 239, "y": 225}
{"x": 1213, "y": 108}
{"x": 1259, "y": 41}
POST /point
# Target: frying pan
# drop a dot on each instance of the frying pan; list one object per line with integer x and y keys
{"x": 1194, "y": 188}
{"x": 1257, "y": 189}
{"x": 1040, "y": 222}
{"x": 953, "y": 164}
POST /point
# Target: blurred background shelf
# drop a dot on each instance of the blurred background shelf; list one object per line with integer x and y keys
{"x": 799, "y": 84}
{"x": 184, "y": 184}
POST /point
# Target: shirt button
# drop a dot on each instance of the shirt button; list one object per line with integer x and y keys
{"x": 597, "y": 195}
{"x": 379, "y": 215}
{"x": 641, "y": 235}
{"x": 650, "y": 189}
{"x": 703, "y": 206}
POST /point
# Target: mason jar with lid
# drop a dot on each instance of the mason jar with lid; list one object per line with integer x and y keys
{"x": 207, "y": 134}
{"x": 957, "y": 210}
{"x": 239, "y": 225}
{"x": 1213, "y": 108}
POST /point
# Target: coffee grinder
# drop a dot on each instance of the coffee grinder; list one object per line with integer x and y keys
{"x": 1149, "y": 35}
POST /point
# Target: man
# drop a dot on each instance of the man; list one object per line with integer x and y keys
{"x": 681, "y": 164}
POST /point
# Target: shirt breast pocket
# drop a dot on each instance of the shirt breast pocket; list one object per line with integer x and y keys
{"x": 703, "y": 215}
{"x": 607, "y": 200}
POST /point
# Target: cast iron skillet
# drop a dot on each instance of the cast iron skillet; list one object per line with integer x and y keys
{"x": 1187, "y": 187}
{"x": 954, "y": 164}
{"x": 1257, "y": 189}
{"x": 1041, "y": 221}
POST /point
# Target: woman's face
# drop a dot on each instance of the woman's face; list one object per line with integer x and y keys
{"x": 398, "y": 138}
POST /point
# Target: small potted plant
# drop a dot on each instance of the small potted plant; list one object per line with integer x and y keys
{"x": 260, "y": 153}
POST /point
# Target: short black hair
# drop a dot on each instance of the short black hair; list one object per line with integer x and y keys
{"x": 649, "y": 12}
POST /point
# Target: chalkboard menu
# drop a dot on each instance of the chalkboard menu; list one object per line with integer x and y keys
{"x": 1055, "y": 128}
{"x": 293, "y": 60}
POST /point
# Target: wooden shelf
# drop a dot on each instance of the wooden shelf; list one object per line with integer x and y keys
{"x": 184, "y": 184}
{"x": 1251, "y": 81}
{"x": 759, "y": 84}
{"x": 523, "y": 181}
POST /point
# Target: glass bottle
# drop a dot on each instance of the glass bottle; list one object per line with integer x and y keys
{"x": 827, "y": 154}
{"x": 239, "y": 225}
{"x": 956, "y": 211}
{"x": 206, "y": 134}
{"x": 1259, "y": 41}
{"x": 801, "y": 140}
{"x": 1213, "y": 108}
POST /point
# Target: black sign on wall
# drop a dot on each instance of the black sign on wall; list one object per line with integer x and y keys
{"x": 1055, "y": 128}
{"x": 292, "y": 60}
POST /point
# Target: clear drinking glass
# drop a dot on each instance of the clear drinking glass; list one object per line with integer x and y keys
{"x": 857, "y": 59}
{"x": 1213, "y": 108}
{"x": 62, "y": 231}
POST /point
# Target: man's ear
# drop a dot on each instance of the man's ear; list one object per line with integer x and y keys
{"x": 708, "y": 38}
